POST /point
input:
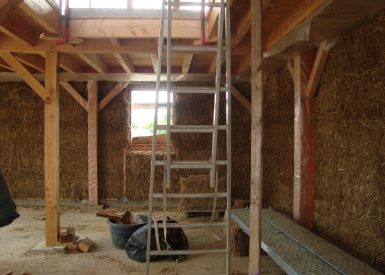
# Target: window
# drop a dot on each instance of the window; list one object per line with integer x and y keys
{"x": 143, "y": 110}
{"x": 114, "y": 4}
{"x": 157, "y": 4}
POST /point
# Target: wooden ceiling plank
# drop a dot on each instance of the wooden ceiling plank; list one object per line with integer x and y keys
{"x": 24, "y": 74}
{"x": 94, "y": 61}
{"x": 75, "y": 94}
{"x": 187, "y": 63}
{"x": 111, "y": 95}
{"x": 44, "y": 14}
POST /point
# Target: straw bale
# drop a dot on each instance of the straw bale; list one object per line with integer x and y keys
{"x": 201, "y": 184}
{"x": 350, "y": 153}
{"x": 239, "y": 241}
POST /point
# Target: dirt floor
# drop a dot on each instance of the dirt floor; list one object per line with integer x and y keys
{"x": 18, "y": 238}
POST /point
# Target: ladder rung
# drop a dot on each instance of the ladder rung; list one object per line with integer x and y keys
{"x": 191, "y": 128}
{"x": 188, "y": 195}
{"x": 192, "y": 225}
{"x": 187, "y": 252}
{"x": 201, "y": 90}
{"x": 207, "y": 4}
{"x": 190, "y": 164}
{"x": 194, "y": 48}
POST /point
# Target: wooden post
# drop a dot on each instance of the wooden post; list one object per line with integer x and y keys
{"x": 257, "y": 98}
{"x": 51, "y": 149}
{"x": 92, "y": 142}
{"x": 303, "y": 138}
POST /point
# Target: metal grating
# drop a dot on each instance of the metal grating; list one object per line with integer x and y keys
{"x": 297, "y": 250}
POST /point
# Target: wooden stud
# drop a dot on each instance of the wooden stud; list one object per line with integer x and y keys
{"x": 111, "y": 95}
{"x": 243, "y": 100}
{"x": 257, "y": 99}
{"x": 93, "y": 143}
{"x": 24, "y": 74}
{"x": 51, "y": 150}
{"x": 75, "y": 94}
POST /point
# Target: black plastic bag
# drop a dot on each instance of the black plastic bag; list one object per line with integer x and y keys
{"x": 136, "y": 246}
{"x": 8, "y": 211}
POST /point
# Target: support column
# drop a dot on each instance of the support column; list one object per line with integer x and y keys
{"x": 257, "y": 98}
{"x": 92, "y": 142}
{"x": 51, "y": 149}
{"x": 303, "y": 142}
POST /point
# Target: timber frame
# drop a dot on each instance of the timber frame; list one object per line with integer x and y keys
{"x": 121, "y": 46}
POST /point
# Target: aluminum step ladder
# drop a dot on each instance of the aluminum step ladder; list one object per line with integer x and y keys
{"x": 222, "y": 50}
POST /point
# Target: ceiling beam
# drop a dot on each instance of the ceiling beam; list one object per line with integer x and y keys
{"x": 25, "y": 74}
{"x": 94, "y": 61}
{"x": 18, "y": 31}
{"x": 131, "y": 28}
{"x": 6, "y": 6}
{"x": 69, "y": 65}
{"x": 187, "y": 63}
{"x": 302, "y": 10}
{"x": 122, "y": 59}
{"x": 44, "y": 14}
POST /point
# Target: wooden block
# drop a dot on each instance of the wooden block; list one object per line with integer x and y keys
{"x": 72, "y": 248}
{"x": 85, "y": 245}
{"x": 67, "y": 235}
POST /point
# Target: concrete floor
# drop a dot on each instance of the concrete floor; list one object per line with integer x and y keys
{"x": 18, "y": 238}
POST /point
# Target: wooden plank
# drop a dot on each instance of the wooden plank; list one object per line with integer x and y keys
{"x": 131, "y": 28}
{"x": 243, "y": 100}
{"x": 6, "y": 6}
{"x": 111, "y": 95}
{"x": 94, "y": 61}
{"x": 44, "y": 14}
{"x": 187, "y": 63}
{"x": 24, "y": 74}
{"x": 33, "y": 61}
{"x": 302, "y": 142}
{"x": 318, "y": 68}
{"x": 93, "y": 193}
{"x": 302, "y": 10}
{"x": 75, "y": 94}
{"x": 18, "y": 31}
{"x": 51, "y": 150}
{"x": 257, "y": 99}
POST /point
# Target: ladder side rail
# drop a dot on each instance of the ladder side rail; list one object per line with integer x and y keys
{"x": 168, "y": 132}
{"x": 214, "y": 143}
{"x": 153, "y": 155}
{"x": 228, "y": 133}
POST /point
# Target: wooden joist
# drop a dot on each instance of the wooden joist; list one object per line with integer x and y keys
{"x": 6, "y": 6}
{"x": 243, "y": 100}
{"x": 154, "y": 62}
{"x": 24, "y": 74}
{"x": 51, "y": 150}
{"x": 75, "y": 94}
{"x": 44, "y": 14}
{"x": 94, "y": 61}
{"x": 69, "y": 65}
{"x": 111, "y": 95}
{"x": 187, "y": 63}
{"x": 18, "y": 32}
{"x": 122, "y": 59}
{"x": 257, "y": 99}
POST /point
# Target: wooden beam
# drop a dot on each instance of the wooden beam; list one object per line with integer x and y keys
{"x": 44, "y": 14}
{"x": 301, "y": 138}
{"x": 302, "y": 10}
{"x": 243, "y": 100}
{"x": 51, "y": 151}
{"x": 290, "y": 68}
{"x": 242, "y": 29}
{"x": 94, "y": 61}
{"x": 187, "y": 63}
{"x": 75, "y": 94}
{"x": 18, "y": 31}
{"x": 244, "y": 64}
{"x": 69, "y": 65}
{"x": 131, "y": 28}
{"x": 111, "y": 95}
{"x": 122, "y": 59}
{"x": 257, "y": 102}
{"x": 5, "y": 65}
{"x": 6, "y": 6}
{"x": 33, "y": 61}
{"x": 154, "y": 61}
{"x": 24, "y": 74}
{"x": 318, "y": 68}
{"x": 93, "y": 193}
